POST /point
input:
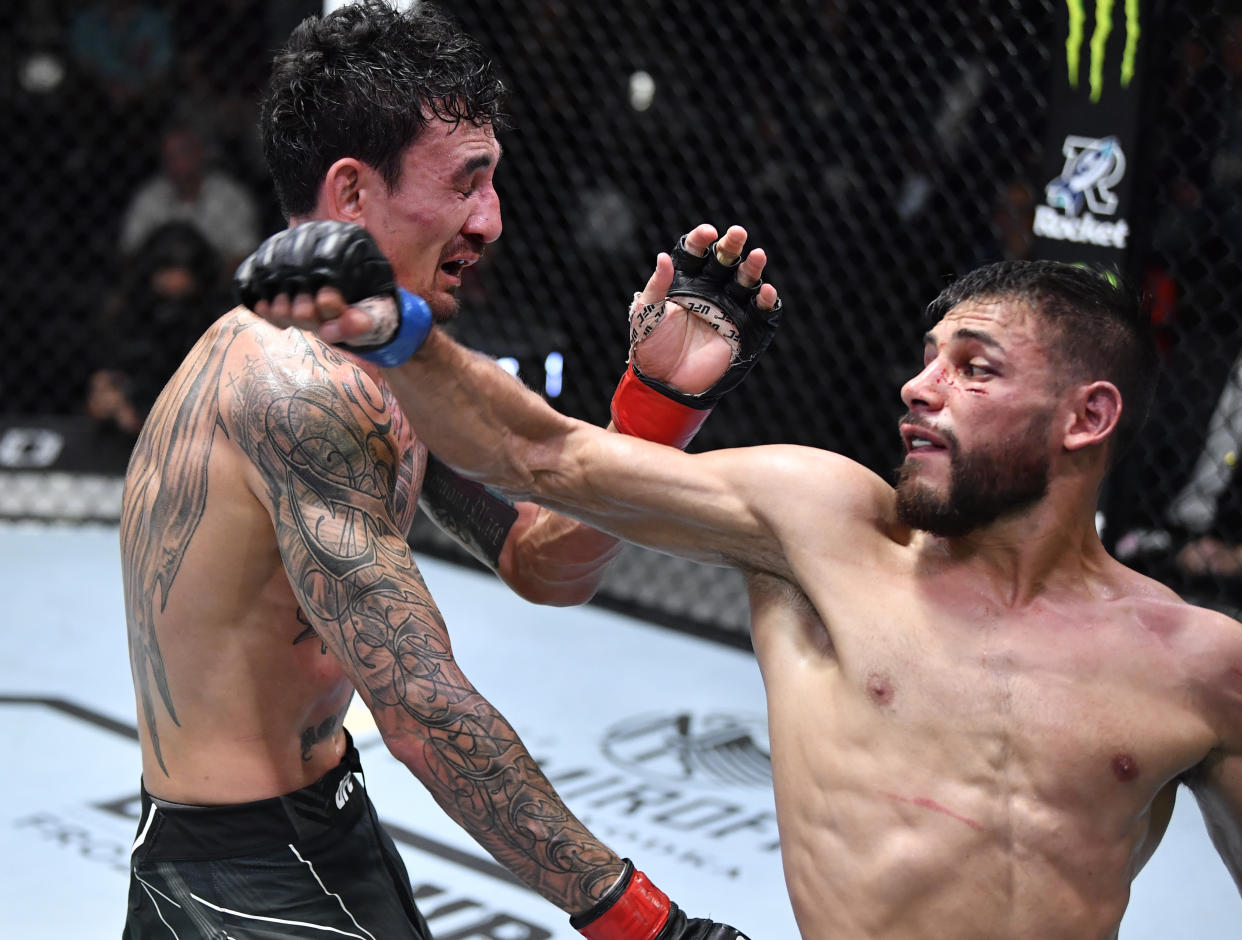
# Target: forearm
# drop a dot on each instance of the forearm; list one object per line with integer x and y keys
{"x": 544, "y": 557}
{"x": 477, "y": 769}
{"x": 475, "y": 416}
{"x": 483, "y": 422}
{"x": 383, "y": 627}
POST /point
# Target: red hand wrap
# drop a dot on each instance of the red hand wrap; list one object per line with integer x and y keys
{"x": 639, "y": 914}
{"x": 640, "y": 411}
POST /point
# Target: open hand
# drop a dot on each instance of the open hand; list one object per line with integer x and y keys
{"x": 680, "y": 343}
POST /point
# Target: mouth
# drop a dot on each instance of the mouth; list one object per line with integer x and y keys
{"x": 454, "y": 267}
{"x": 920, "y": 442}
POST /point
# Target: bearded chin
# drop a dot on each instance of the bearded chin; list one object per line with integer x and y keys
{"x": 443, "y": 308}
{"x": 983, "y": 487}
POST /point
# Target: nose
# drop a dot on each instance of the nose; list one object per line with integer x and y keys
{"x": 925, "y": 390}
{"x": 484, "y": 221}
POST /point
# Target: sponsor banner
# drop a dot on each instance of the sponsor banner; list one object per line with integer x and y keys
{"x": 68, "y": 443}
{"x": 1087, "y": 206}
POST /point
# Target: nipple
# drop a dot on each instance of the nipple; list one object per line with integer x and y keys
{"x": 880, "y": 689}
{"x": 1125, "y": 768}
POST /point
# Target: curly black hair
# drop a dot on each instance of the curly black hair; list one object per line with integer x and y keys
{"x": 1102, "y": 327}
{"x": 364, "y": 81}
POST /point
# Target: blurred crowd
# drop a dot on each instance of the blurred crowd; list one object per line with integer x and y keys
{"x": 142, "y": 185}
{"x": 873, "y": 148}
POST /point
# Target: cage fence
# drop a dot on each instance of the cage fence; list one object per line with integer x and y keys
{"x": 874, "y": 149}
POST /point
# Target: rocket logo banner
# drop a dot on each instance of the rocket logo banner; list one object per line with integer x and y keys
{"x": 1088, "y": 207}
{"x": 1084, "y": 190}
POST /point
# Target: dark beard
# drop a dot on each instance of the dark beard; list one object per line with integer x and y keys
{"x": 985, "y": 484}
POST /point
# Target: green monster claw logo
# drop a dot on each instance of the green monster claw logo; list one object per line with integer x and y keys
{"x": 1099, "y": 42}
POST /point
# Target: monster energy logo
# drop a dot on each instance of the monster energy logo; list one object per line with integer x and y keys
{"x": 1099, "y": 42}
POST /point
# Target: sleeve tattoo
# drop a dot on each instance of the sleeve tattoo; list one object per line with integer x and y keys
{"x": 335, "y": 477}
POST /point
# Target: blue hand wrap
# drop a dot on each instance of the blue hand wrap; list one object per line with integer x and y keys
{"x": 411, "y": 332}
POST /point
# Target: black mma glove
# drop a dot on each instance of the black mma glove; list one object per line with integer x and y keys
{"x": 325, "y": 253}
{"x": 635, "y": 909}
{"x": 709, "y": 289}
{"x": 648, "y": 408}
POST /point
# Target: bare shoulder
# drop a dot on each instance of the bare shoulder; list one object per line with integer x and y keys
{"x": 805, "y": 488}
{"x": 1157, "y": 603}
{"x": 296, "y": 406}
{"x": 1214, "y": 656}
{"x": 1206, "y": 642}
{"x": 1221, "y": 638}
{"x": 281, "y": 359}
{"x": 264, "y": 371}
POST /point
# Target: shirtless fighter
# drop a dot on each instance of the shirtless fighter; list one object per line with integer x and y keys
{"x": 267, "y": 573}
{"x": 979, "y": 719}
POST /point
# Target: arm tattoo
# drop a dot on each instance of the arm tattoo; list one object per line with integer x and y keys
{"x": 336, "y": 475}
{"x": 473, "y": 514}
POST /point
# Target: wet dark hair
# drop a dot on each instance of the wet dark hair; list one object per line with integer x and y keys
{"x": 364, "y": 82}
{"x": 1103, "y": 330}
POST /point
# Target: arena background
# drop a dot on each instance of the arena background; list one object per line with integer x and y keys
{"x": 875, "y": 148}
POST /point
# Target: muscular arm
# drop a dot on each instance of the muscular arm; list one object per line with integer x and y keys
{"x": 542, "y": 556}
{"x": 319, "y": 439}
{"x": 545, "y": 557}
{"x": 1217, "y": 785}
{"x": 719, "y": 507}
{"x": 1217, "y": 782}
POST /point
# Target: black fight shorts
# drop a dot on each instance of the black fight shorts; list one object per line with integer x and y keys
{"x": 313, "y": 863}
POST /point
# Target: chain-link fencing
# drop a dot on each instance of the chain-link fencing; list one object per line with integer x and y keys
{"x": 873, "y": 148}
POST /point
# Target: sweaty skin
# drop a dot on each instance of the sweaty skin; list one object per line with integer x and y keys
{"x": 267, "y": 576}
{"x": 974, "y": 737}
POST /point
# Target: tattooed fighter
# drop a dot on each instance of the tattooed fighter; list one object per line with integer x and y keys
{"x": 267, "y": 573}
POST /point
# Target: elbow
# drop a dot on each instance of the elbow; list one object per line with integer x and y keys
{"x": 554, "y": 561}
{"x": 557, "y": 593}
{"x": 407, "y": 741}
{"x": 540, "y": 581}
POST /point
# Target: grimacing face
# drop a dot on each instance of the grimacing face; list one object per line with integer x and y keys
{"x": 443, "y": 212}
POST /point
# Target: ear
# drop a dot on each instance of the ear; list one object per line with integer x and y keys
{"x": 1095, "y": 411}
{"x": 344, "y": 190}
